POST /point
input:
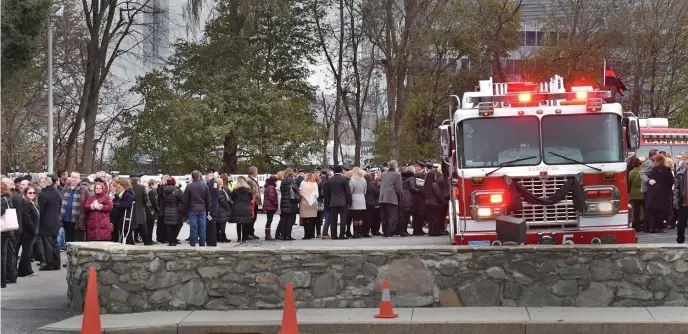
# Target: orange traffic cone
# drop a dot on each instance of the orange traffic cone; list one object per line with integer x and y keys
{"x": 386, "y": 311}
{"x": 91, "y": 320}
{"x": 289, "y": 324}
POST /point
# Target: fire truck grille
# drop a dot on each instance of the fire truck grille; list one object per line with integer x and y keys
{"x": 562, "y": 213}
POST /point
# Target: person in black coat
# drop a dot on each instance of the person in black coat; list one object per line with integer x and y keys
{"x": 5, "y": 204}
{"x": 370, "y": 223}
{"x": 289, "y": 204}
{"x": 171, "y": 204}
{"x": 659, "y": 195}
{"x": 337, "y": 195}
{"x": 15, "y": 239}
{"x": 211, "y": 223}
{"x": 49, "y": 205}
{"x": 242, "y": 209}
{"x": 126, "y": 211}
{"x": 433, "y": 203}
{"x": 30, "y": 220}
{"x": 408, "y": 202}
{"x": 153, "y": 210}
{"x": 224, "y": 210}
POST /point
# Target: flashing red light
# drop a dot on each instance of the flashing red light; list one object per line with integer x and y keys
{"x": 524, "y": 97}
{"x": 490, "y": 199}
{"x": 581, "y": 95}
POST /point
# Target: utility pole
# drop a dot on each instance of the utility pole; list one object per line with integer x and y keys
{"x": 56, "y": 13}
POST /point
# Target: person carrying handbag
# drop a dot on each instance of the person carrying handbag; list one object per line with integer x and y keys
{"x": 8, "y": 224}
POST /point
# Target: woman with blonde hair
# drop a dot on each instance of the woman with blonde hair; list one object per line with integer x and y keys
{"x": 289, "y": 204}
{"x": 242, "y": 209}
{"x": 30, "y": 224}
{"x": 308, "y": 208}
{"x": 358, "y": 186}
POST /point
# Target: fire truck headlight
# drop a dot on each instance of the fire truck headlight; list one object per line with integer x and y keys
{"x": 484, "y": 212}
{"x": 605, "y": 207}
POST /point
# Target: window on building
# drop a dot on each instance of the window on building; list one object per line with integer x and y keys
{"x": 531, "y": 38}
{"x": 539, "y": 39}
{"x": 465, "y": 64}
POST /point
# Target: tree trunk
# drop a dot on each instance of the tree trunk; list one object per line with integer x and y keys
{"x": 391, "y": 111}
{"x": 90, "y": 130}
{"x": 229, "y": 155}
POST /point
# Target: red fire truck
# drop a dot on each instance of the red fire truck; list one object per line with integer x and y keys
{"x": 549, "y": 158}
{"x": 655, "y": 133}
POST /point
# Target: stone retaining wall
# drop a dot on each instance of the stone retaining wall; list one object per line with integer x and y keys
{"x": 137, "y": 278}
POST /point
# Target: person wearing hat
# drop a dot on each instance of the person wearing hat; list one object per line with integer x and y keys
{"x": 171, "y": 207}
{"x": 211, "y": 228}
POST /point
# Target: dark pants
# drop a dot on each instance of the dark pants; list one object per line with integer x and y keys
{"x": 318, "y": 223}
{"x": 171, "y": 231}
{"x": 270, "y": 215}
{"x": 211, "y": 232}
{"x": 418, "y": 222}
{"x": 143, "y": 232}
{"x": 309, "y": 227}
{"x": 342, "y": 213}
{"x": 681, "y": 224}
{"x": 4, "y": 241}
{"x": 11, "y": 265}
{"x": 37, "y": 253}
{"x": 637, "y": 204}
{"x": 405, "y": 220}
{"x": 435, "y": 220}
{"x": 150, "y": 227}
{"x": 161, "y": 230}
{"x": 646, "y": 214}
{"x": 287, "y": 224}
{"x": 69, "y": 231}
{"x": 242, "y": 232}
{"x": 26, "y": 243}
{"x": 51, "y": 252}
{"x": 252, "y": 227}
{"x": 656, "y": 220}
{"x": 221, "y": 233}
{"x": 390, "y": 218}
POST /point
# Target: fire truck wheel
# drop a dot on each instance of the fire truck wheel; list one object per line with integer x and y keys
{"x": 595, "y": 241}
{"x": 496, "y": 243}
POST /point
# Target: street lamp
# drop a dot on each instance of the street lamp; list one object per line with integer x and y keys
{"x": 56, "y": 12}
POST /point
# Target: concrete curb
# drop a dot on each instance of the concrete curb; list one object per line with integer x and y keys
{"x": 514, "y": 320}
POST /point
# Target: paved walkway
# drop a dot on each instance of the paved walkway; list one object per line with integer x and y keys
{"x": 502, "y": 320}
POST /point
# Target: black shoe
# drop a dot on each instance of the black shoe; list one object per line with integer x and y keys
{"x": 366, "y": 235}
{"x": 3, "y": 285}
{"x": 172, "y": 244}
{"x": 288, "y": 239}
{"x": 306, "y": 238}
{"x": 377, "y": 234}
{"x": 343, "y": 237}
{"x": 12, "y": 281}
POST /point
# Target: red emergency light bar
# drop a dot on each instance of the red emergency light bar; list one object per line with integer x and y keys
{"x": 539, "y": 97}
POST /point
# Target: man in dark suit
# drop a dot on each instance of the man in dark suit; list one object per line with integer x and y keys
{"x": 211, "y": 228}
{"x": 390, "y": 195}
{"x": 337, "y": 201}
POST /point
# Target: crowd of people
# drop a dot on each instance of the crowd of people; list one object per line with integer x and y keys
{"x": 657, "y": 188}
{"x": 334, "y": 204}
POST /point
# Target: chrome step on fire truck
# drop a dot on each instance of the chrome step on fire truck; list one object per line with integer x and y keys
{"x": 541, "y": 154}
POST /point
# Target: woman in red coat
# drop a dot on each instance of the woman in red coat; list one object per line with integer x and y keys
{"x": 98, "y": 207}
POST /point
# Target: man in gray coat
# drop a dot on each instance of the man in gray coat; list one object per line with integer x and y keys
{"x": 390, "y": 196}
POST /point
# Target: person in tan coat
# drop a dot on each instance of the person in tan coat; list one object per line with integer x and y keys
{"x": 308, "y": 206}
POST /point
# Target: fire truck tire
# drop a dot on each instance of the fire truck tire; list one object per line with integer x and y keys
{"x": 496, "y": 243}
{"x": 595, "y": 241}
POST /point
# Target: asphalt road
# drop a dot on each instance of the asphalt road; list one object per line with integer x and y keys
{"x": 40, "y": 300}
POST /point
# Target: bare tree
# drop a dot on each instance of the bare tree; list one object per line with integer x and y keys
{"x": 115, "y": 29}
{"x": 327, "y": 32}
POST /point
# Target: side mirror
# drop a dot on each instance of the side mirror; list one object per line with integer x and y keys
{"x": 633, "y": 133}
{"x": 445, "y": 141}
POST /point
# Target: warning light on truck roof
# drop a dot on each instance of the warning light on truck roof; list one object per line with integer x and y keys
{"x": 524, "y": 97}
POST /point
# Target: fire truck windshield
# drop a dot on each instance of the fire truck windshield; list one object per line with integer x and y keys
{"x": 586, "y": 138}
{"x": 490, "y": 142}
